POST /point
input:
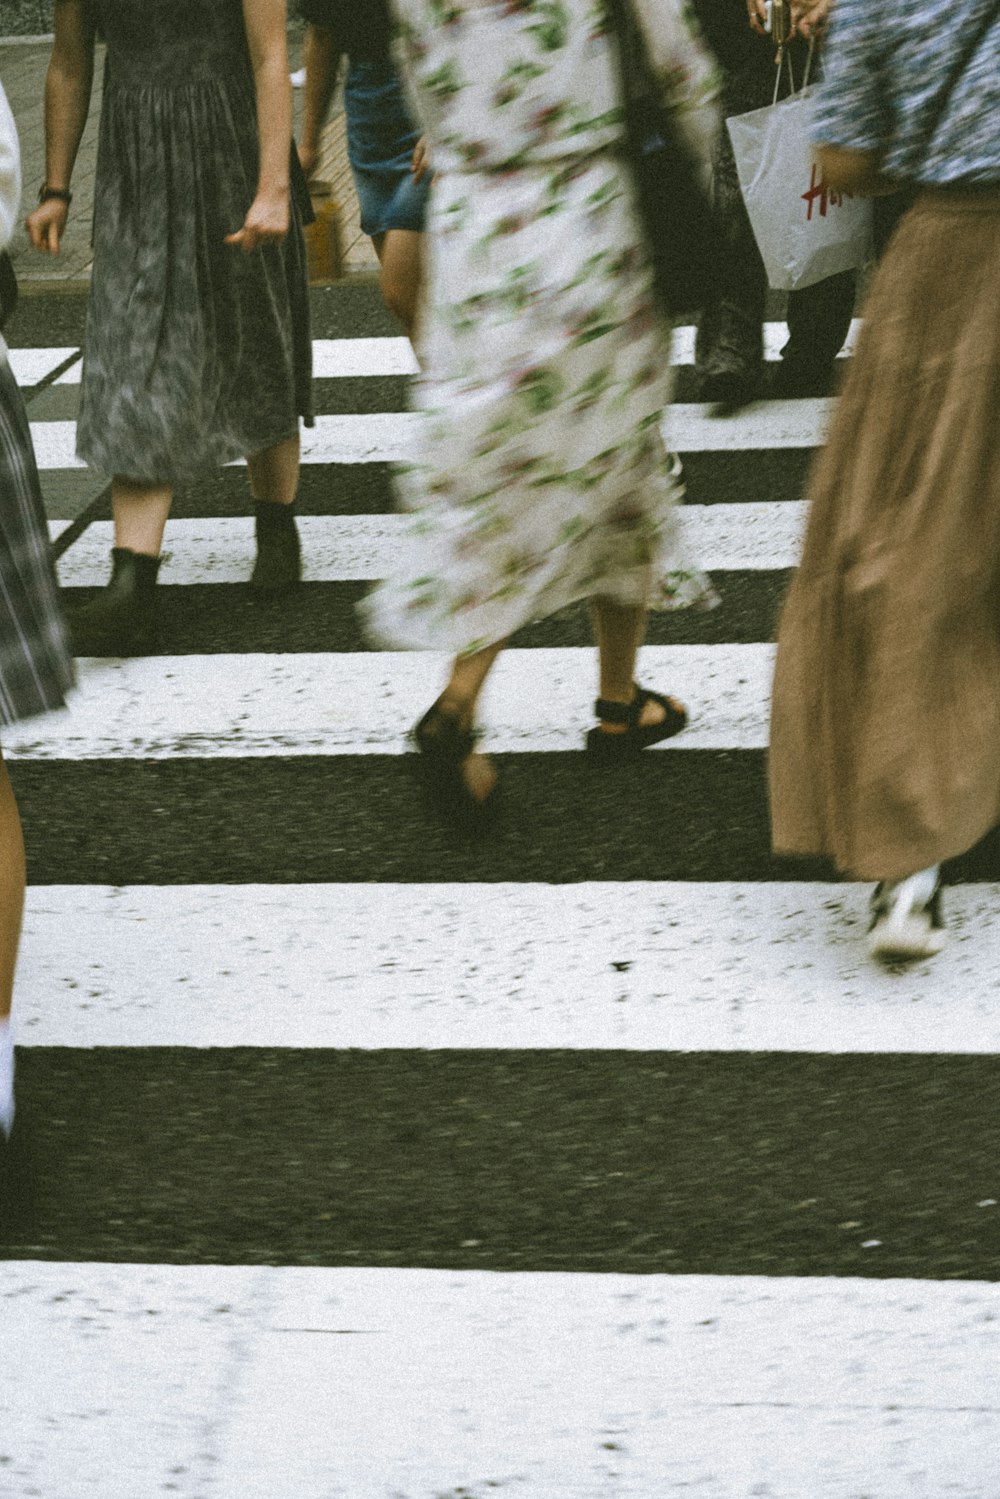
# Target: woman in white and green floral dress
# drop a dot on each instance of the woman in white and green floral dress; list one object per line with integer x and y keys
{"x": 541, "y": 477}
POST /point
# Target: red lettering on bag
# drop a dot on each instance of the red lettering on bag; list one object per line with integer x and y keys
{"x": 820, "y": 190}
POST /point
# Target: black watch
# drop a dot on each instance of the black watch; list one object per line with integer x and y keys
{"x": 62, "y": 193}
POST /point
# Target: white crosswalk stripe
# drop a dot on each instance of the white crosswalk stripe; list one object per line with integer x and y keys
{"x": 335, "y": 358}
{"x": 349, "y": 548}
{"x": 29, "y": 366}
{"x": 657, "y": 966}
{"x": 468, "y": 1382}
{"x": 388, "y": 437}
{"x": 161, "y": 707}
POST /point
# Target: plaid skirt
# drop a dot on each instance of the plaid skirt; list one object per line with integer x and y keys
{"x": 35, "y": 665}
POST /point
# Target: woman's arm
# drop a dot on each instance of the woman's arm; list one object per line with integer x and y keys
{"x": 322, "y": 60}
{"x": 269, "y": 214}
{"x": 855, "y": 172}
{"x": 67, "y": 100}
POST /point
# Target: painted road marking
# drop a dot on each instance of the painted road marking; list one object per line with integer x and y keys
{"x": 389, "y": 436}
{"x": 644, "y": 966}
{"x": 352, "y": 548}
{"x": 31, "y": 365}
{"x": 464, "y": 1381}
{"x": 335, "y": 358}
{"x": 363, "y": 703}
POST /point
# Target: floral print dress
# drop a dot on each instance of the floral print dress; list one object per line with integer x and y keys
{"x": 541, "y": 476}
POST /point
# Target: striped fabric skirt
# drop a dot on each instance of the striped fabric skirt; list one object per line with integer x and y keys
{"x": 35, "y": 665}
{"x": 885, "y": 729}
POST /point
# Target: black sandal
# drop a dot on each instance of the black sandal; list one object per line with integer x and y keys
{"x": 637, "y": 736}
{"x": 444, "y": 748}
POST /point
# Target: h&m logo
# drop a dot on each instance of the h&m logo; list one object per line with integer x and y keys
{"x": 820, "y": 192}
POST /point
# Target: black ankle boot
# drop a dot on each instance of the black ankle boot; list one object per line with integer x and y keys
{"x": 279, "y": 556}
{"x": 121, "y": 620}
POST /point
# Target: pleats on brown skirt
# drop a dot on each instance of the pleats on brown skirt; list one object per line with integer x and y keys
{"x": 885, "y": 726}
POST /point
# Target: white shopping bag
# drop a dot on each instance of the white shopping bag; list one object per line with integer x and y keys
{"x": 804, "y": 230}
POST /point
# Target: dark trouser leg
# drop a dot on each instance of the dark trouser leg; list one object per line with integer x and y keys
{"x": 819, "y": 318}
{"x": 730, "y": 332}
{"x": 888, "y": 212}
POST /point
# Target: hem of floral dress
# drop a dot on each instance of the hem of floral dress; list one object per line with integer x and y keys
{"x": 392, "y": 628}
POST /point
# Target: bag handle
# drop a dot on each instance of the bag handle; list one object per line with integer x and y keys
{"x": 785, "y": 55}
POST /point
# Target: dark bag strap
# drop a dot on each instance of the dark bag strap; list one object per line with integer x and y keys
{"x": 8, "y": 288}
{"x": 641, "y": 95}
{"x": 673, "y": 203}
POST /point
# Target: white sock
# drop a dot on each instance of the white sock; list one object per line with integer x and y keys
{"x": 6, "y": 1077}
{"x": 919, "y": 886}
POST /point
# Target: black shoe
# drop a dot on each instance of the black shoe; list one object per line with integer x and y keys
{"x": 279, "y": 554}
{"x": 444, "y": 748}
{"x": 121, "y": 620}
{"x": 609, "y": 747}
{"x": 728, "y": 393}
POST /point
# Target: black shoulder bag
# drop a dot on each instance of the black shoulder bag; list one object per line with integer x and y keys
{"x": 676, "y": 210}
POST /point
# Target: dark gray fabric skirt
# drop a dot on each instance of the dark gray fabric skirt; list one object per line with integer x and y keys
{"x": 194, "y": 354}
{"x": 35, "y": 665}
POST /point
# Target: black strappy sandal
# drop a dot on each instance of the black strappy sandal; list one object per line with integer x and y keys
{"x": 612, "y": 747}
{"x": 444, "y": 748}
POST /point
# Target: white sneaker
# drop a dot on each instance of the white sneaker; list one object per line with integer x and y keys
{"x": 906, "y": 918}
{"x": 6, "y": 1078}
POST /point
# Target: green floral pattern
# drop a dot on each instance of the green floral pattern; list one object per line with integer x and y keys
{"x": 541, "y": 477}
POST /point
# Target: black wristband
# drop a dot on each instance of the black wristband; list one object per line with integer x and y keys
{"x": 62, "y": 193}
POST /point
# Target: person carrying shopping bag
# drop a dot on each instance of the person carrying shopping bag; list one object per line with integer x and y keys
{"x": 35, "y": 666}
{"x": 885, "y": 731}
{"x": 729, "y": 347}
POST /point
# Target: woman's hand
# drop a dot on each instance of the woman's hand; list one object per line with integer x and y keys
{"x": 308, "y": 158}
{"x": 47, "y": 224}
{"x": 809, "y": 17}
{"x": 757, "y": 12}
{"x": 266, "y": 223}
{"x": 421, "y": 159}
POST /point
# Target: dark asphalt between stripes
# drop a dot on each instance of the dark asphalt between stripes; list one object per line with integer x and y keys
{"x": 673, "y": 815}
{"x": 610, "y": 1161}
{"x": 208, "y": 618}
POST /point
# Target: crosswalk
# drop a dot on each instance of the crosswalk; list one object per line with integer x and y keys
{"x": 596, "y": 1161}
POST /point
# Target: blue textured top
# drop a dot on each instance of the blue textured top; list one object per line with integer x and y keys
{"x": 895, "y": 83}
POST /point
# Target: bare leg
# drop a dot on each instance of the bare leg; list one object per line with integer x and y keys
{"x": 619, "y": 631}
{"x": 400, "y": 254}
{"x": 459, "y": 700}
{"x": 140, "y": 512}
{"x": 274, "y": 482}
{"x": 11, "y": 888}
{"x": 274, "y": 472}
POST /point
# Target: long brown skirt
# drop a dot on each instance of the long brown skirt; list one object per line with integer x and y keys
{"x": 885, "y": 723}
